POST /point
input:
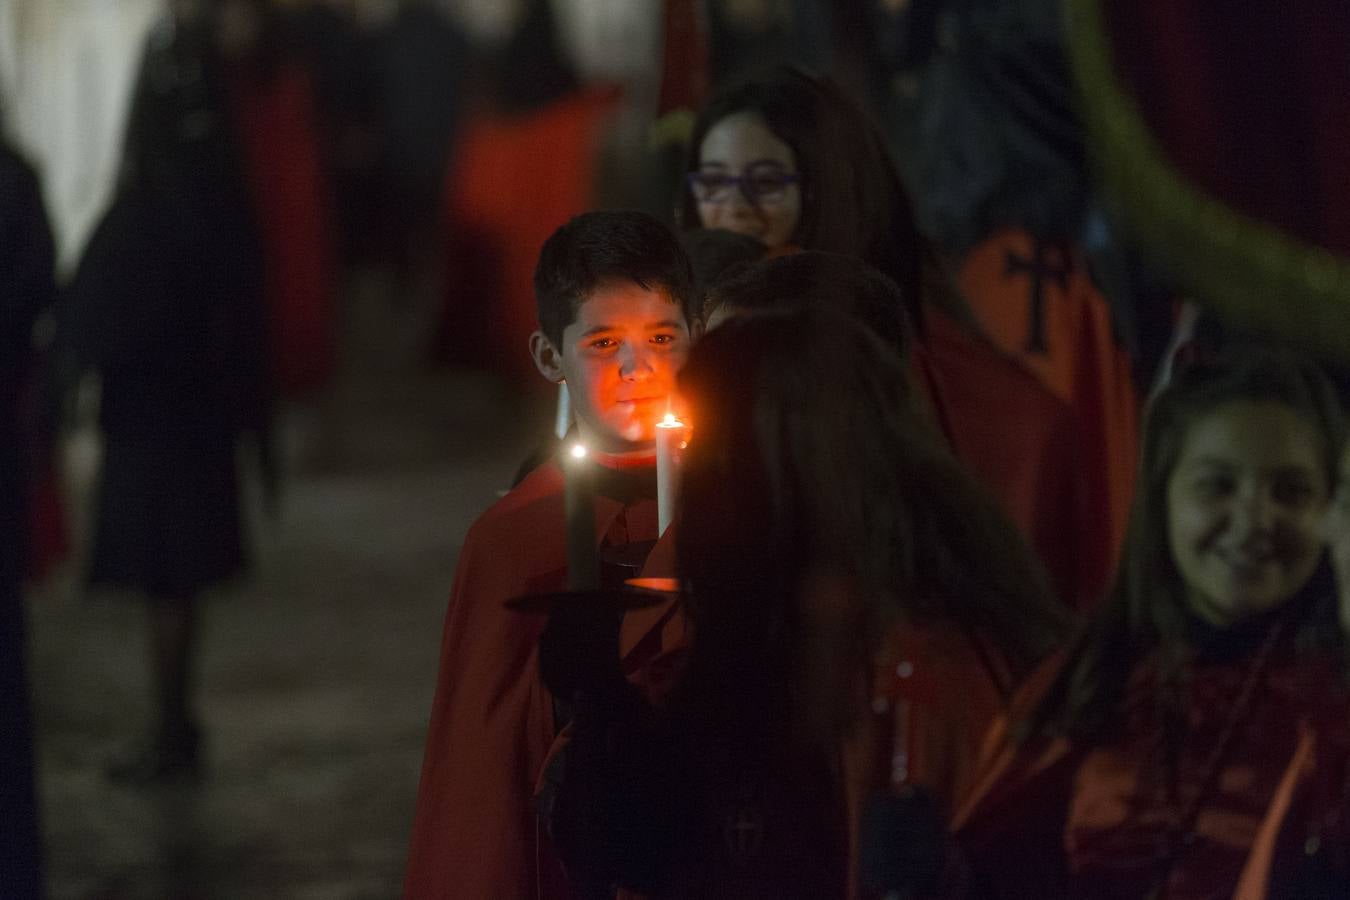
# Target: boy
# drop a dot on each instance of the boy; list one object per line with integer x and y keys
{"x": 614, "y": 295}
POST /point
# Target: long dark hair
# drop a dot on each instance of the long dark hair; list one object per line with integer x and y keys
{"x": 1146, "y": 610}
{"x": 809, "y": 457}
{"x": 852, "y": 199}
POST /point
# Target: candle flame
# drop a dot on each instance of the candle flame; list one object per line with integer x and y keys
{"x": 578, "y": 451}
{"x": 669, "y": 419}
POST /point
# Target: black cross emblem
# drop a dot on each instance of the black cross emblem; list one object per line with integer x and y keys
{"x": 743, "y": 831}
{"x": 1048, "y": 261}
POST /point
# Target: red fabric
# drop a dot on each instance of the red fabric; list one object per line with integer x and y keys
{"x": 812, "y": 817}
{"x": 279, "y": 130}
{"x": 512, "y": 183}
{"x": 1075, "y": 354}
{"x": 1248, "y": 102}
{"x": 1051, "y": 819}
{"x": 684, "y": 64}
{"x": 475, "y": 833}
{"x": 1020, "y": 442}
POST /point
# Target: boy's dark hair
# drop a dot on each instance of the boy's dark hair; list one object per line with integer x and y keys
{"x": 595, "y": 248}
{"x": 817, "y": 280}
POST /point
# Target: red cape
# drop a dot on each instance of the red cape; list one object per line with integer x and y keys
{"x": 512, "y": 183}
{"x": 475, "y": 833}
{"x": 1013, "y": 819}
{"x": 1020, "y": 442}
{"x": 1070, "y": 346}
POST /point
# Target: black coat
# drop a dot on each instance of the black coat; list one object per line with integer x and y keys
{"x": 27, "y": 287}
{"x": 167, "y": 306}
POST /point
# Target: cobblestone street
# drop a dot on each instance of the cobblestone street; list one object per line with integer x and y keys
{"x": 317, "y": 671}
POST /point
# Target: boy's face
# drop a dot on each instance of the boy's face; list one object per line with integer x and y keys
{"x": 620, "y": 358}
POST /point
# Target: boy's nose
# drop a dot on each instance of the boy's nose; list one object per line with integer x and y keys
{"x": 636, "y": 363}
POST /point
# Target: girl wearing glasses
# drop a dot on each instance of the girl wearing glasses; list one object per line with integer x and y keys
{"x": 789, "y": 159}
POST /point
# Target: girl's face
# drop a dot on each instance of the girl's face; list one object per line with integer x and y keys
{"x": 746, "y": 181}
{"x": 1245, "y": 505}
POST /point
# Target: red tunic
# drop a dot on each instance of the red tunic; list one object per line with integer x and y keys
{"x": 1020, "y": 443}
{"x": 1058, "y": 820}
{"x": 791, "y": 828}
{"x": 1069, "y": 345}
{"x": 512, "y": 183}
{"x": 475, "y": 833}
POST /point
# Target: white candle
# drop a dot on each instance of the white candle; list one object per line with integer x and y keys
{"x": 670, "y": 436}
{"x": 564, "y": 420}
{"x": 583, "y": 556}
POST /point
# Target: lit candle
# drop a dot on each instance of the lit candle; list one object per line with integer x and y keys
{"x": 564, "y": 420}
{"x": 583, "y": 557}
{"x": 670, "y": 434}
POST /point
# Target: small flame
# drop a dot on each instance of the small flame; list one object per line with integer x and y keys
{"x": 578, "y": 451}
{"x": 670, "y": 421}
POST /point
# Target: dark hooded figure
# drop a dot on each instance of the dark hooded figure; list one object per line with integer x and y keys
{"x": 167, "y": 308}
{"x": 27, "y": 287}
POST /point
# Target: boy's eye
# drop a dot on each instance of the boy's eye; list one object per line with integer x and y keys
{"x": 663, "y": 338}
{"x": 602, "y": 343}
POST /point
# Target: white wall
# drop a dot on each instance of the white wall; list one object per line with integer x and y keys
{"x": 66, "y": 73}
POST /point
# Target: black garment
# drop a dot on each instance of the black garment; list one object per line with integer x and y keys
{"x": 27, "y": 287}
{"x": 168, "y": 307}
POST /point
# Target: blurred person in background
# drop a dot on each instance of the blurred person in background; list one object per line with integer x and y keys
{"x": 168, "y": 308}
{"x": 27, "y": 289}
{"x": 525, "y": 164}
{"x": 269, "y": 92}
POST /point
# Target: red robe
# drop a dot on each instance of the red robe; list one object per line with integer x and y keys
{"x": 1020, "y": 443}
{"x": 475, "y": 833}
{"x": 1069, "y": 345}
{"x": 278, "y": 128}
{"x": 512, "y": 183}
{"x": 807, "y": 816}
{"x": 1055, "y": 819}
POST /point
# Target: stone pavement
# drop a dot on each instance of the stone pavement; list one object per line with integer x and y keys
{"x": 316, "y": 673}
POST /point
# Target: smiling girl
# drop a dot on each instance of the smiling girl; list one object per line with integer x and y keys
{"x": 1176, "y": 735}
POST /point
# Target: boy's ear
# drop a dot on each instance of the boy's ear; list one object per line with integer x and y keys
{"x": 547, "y": 358}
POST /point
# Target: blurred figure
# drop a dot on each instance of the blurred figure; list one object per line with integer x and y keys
{"x": 422, "y": 61}
{"x": 789, "y": 159}
{"x": 845, "y": 581}
{"x": 525, "y": 165}
{"x": 168, "y": 308}
{"x": 1195, "y": 742}
{"x": 27, "y": 289}
{"x": 271, "y": 108}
